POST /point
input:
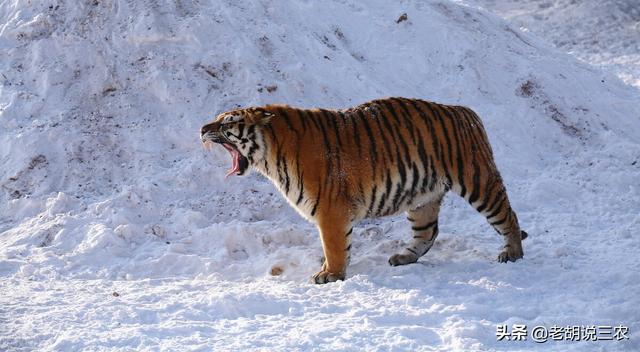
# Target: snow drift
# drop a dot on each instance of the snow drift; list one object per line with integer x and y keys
{"x": 114, "y": 219}
{"x": 603, "y": 33}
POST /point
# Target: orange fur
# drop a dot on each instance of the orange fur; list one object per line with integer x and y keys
{"x": 382, "y": 157}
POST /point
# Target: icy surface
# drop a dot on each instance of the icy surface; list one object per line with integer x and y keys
{"x": 118, "y": 231}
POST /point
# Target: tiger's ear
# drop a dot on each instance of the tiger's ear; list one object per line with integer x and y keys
{"x": 262, "y": 115}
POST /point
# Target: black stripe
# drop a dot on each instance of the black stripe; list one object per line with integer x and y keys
{"x": 287, "y": 180}
{"x": 439, "y": 111}
{"x": 301, "y": 190}
{"x": 469, "y": 145}
{"x": 303, "y": 120}
{"x": 425, "y": 227}
{"x": 412, "y": 251}
{"x": 311, "y": 116}
{"x": 482, "y": 147}
{"x": 434, "y": 139}
{"x": 434, "y": 175}
{"x": 407, "y": 117}
{"x": 442, "y": 157}
{"x": 400, "y": 164}
{"x": 487, "y": 194}
{"x": 372, "y": 142}
{"x": 266, "y": 147}
{"x": 277, "y": 146}
{"x": 348, "y": 247}
{"x": 361, "y": 196}
{"x": 400, "y": 187}
{"x": 480, "y": 143}
{"x": 330, "y": 120}
{"x": 499, "y": 222}
{"x": 350, "y": 231}
{"x": 385, "y": 195}
{"x": 425, "y": 163}
{"x": 253, "y": 148}
{"x": 385, "y": 142}
{"x": 315, "y": 206}
{"x": 427, "y": 120}
{"x": 272, "y": 132}
{"x": 495, "y": 212}
{"x": 451, "y": 113}
{"x": 300, "y": 179}
{"x": 496, "y": 206}
{"x": 420, "y": 144}
{"x": 409, "y": 159}
{"x": 356, "y": 133}
{"x": 405, "y": 148}
{"x": 395, "y": 137}
{"x": 285, "y": 116}
{"x": 389, "y": 106}
{"x": 395, "y": 131}
{"x": 330, "y": 116}
{"x": 327, "y": 145}
{"x": 280, "y": 163}
{"x": 476, "y": 142}
{"x": 475, "y": 193}
{"x": 374, "y": 194}
{"x": 414, "y": 182}
{"x": 342, "y": 116}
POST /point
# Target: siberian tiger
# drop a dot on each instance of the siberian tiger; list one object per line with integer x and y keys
{"x": 336, "y": 167}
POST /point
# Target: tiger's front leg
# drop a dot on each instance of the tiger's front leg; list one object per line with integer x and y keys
{"x": 335, "y": 233}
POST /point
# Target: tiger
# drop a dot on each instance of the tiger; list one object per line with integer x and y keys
{"x": 380, "y": 158}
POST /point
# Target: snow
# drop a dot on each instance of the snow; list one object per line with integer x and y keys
{"x": 603, "y": 33}
{"x": 118, "y": 230}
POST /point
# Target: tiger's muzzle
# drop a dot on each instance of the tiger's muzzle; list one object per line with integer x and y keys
{"x": 213, "y": 133}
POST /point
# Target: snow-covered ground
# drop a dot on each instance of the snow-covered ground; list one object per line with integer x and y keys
{"x": 603, "y": 33}
{"x": 118, "y": 231}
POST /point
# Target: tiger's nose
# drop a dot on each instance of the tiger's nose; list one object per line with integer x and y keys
{"x": 211, "y": 127}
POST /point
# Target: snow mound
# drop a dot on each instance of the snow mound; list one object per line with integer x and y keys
{"x": 603, "y": 33}
{"x": 105, "y": 188}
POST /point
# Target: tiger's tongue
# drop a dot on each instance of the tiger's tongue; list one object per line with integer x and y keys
{"x": 235, "y": 166}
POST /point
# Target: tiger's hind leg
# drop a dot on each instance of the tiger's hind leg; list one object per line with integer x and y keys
{"x": 424, "y": 223}
{"x": 496, "y": 208}
{"x": 508, "y": 227}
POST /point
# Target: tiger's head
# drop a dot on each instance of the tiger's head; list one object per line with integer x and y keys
{"x": 240, "y": 132}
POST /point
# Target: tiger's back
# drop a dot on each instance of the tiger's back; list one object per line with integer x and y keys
{"x": 380, "y": 157}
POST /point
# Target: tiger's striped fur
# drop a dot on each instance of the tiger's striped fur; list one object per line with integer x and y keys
{"x": 337, "y": 167}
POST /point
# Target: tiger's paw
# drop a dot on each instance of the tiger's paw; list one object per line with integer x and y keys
{"x": 323, "y": 277}
{"x": 402, "y": 259}
{"x": 510, "y": 254}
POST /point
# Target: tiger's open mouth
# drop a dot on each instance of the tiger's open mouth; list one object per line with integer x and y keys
{"x": 239, "y": 163}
